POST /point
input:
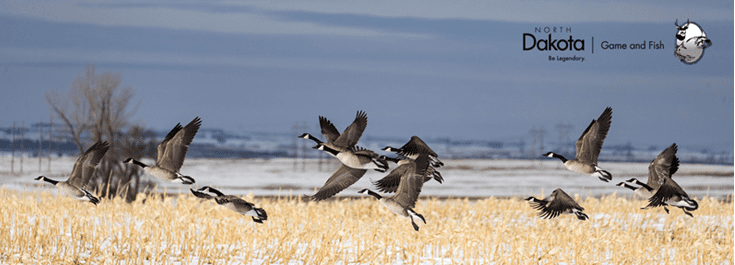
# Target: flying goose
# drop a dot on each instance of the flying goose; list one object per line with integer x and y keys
{"x": 171, "y": 153}
{"x": 83, "y": 170}
{"x": 558, "y": 203}
{"x": 347, "y": 175}
{"x": 356, "y": 157}
{"x": 343, "y": 146}
{"x": 349, "y": 136}
{"x": 389, "y": 183}
{"x": 403, "y": 202}
{"x": 672, "y": 194}
{"x": 589, "y": 145}
{"x": 664, "y": 165}
{"x": 233, "y": 203}
{"x": 413, "y": 148}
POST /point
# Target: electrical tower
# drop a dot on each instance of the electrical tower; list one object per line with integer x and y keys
{"x": 537, "y": 145}
{"x": 564, "y": 141}
{"x": 299, "y": 146}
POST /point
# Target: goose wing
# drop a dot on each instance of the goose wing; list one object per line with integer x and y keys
{"x": 669, "y": 189}
{"x": 341, "y": 179}
{"x": 201, "y": 194}
{"x": 559, "y": 204}
{"x": 239, "y": 205}
{"x": 663, "y": 166}
{"x": 162, "y": 145}
{"x": 352, "y": 134}
{"x": 416, "y": 146}
{"x": 85, "y": 165}
{"x": 412, "y": 181}
{"x": 176, "y": 146}
{"x": 590, "y": 142}
{"x": 328, "y": 130}
{"x": 389, "y": 183}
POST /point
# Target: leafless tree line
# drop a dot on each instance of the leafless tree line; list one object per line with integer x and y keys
{"x": 97, "y": 108}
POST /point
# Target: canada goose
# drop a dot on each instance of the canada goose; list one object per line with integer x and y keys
{"x": 672, "y": 194}
{"x": 347, "y": 175}
{"x": 356, "y": 157}
{"x": 403, "y": 202}
{"x": 558, "y": 203}
{"x": 413, "y": 148}
{"x": 389, "y": 183}
{"x": 589, "y": 145}
{"x": 349, "y": 136}
{"x": 233, "y": 203}
{"x": 664, "y": 165}
{"x": 171, "y": 153}
{"x": 343, "y": 146}
{"x": 83, "y": 170}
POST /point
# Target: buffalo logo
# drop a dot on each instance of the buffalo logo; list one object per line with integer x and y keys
{"x": 690, "y": 42}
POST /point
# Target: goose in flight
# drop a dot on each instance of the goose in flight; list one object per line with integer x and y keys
{"x": 171, "y": 153}
{"x": 589, "y": 145}
{"x": 233, "y": 203}
{"x": 84, "y": 168}
{"x": 407, "y": 193}
{"x": 558, "y": 203}
{"x": 663, "y": 166}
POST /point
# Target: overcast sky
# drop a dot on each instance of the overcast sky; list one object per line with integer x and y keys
{"x": 429, "y": 68}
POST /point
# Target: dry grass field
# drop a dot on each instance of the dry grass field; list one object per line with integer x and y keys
{"x": 39, "y": 227}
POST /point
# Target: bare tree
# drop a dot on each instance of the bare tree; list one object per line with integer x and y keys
{"x": 97, "y": 109}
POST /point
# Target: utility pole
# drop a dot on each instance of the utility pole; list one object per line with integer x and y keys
{"x": 299, "y": 145}
{"x": 12, "y": 147}
{"x": 50, "y": 129}
{"x": 22, "y": 139}
{"x": 40, "y": 144}
{"x": 538, "y": 138}
{"x": 564, "y": 141}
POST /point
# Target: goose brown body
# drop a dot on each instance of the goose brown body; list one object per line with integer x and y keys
{"x": 81, "y": 174}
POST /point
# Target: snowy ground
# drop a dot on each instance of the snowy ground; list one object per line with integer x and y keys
{"x": 463, "y": 178}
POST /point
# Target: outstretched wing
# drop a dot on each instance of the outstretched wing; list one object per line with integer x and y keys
{"x": 561, "y": 203}
{"x": 85, "y": 165}
{"x": 416, "y": 146}
{"x": 328, "y": 130}
{"x": 663, "y": 166}
{"x": 412, "y": 181}
{"x": 162, "y": 145}
{"x": 176, "y": 146}
{"x": 341, "y": 179}
{"x": 389, "y": 183}
{"x": 668, "y": 190}
{"x": 590, "y": 142}
{"x": 200, "y": 194}
{"x": 352, "y": 134}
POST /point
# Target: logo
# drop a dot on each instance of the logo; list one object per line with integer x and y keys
{"x": 690, "y": 42}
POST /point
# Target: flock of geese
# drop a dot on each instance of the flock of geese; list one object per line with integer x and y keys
{"x": 416, "y": 164}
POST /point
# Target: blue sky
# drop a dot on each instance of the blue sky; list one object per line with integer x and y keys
{"x": 432, "y": 69}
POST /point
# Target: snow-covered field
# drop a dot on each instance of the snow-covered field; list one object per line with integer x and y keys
{"x": 463, "y": 178}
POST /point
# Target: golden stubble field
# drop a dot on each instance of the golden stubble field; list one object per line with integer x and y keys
{"x": 39, "y": 227}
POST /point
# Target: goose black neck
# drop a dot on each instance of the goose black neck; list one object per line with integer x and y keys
{"x": 49, "y": 180}
{"x": 315, "y": 139}
{"x": 138, "y": 163}
{"x": 563, "y": 160}
{"x": 330, "y": 150}
{"x": 374, "y": 194}
{"x": 213, "y": 190}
